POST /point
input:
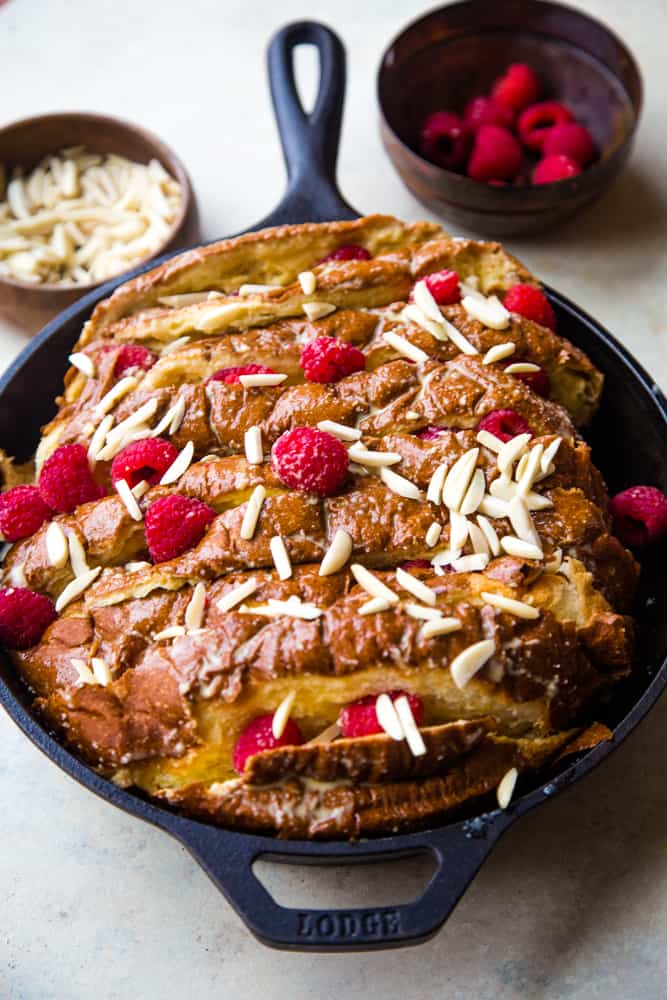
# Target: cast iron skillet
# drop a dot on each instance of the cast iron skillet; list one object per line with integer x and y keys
{"x": 628, "y": 437}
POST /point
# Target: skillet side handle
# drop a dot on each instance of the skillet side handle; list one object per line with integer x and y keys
{"x": 309, "y": 141}
{"x": 228, "y": 860}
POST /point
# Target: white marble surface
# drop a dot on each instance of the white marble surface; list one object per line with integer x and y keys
{"x": 574, "y": 901}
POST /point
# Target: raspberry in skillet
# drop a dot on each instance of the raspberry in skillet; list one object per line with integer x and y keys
{"x": 535, "y": 122}
{"x": 232, "y": 376}
{"x": 519, "y": 86}
{"x": 258, "y": 736}
{"x": 444, "y": 287}
{"x": 640, "y": 515}
{"x": 504, "y": 424}
{"x": 571, "y": 140}
{"x": 311, "y": 460}
{"x": 328, "y": 360}
{"x": 360, "y": 718}
{"x": 555, "y": 168}
{"x": 431, "y": 432}
{"x": 531, "y": 303}
{"x": 487, "y": 111}
{"x": 145, "y": 460}
{"x": 24, "y": 617}
{"x": 537, "y": 381}
{"x": 352, "y": 251}
{"x": 175, "y": 524}
{"x": 22, "y": 512}
{"x": 496, "y": 155}
{"x": 416, "y": 564}
{"x": 132, "y": 356}
{"x": 444, "y": 140}
{"x": 66, "y": 480}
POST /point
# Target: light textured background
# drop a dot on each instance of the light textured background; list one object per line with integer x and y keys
{"x": 574, "y": 901}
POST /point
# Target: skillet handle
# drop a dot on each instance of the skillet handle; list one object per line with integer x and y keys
{"x": 309, "y": 141}
{"x": 228, "y": 859}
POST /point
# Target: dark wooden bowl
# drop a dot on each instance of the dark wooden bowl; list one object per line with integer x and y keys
{"x": 456, "y": 52}
{"x": 25, "y": 142}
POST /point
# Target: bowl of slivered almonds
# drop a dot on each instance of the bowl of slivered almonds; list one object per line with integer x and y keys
{"x": 83, "y": 198}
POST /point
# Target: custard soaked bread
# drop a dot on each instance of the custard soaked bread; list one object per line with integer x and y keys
{"x": 320, "y": 548}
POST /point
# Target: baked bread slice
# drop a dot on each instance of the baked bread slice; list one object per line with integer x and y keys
{"x": 478, "y": 575}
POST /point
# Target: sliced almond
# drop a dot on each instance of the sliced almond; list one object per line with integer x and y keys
{"x": 337, "y": 554}
{"x": 493, "y": 507}
{"x": 522, "y": 550}
{"x": 549, "y": 454}
{"x": 171, "y": 632}
{"x": 399, "y": 484}
{"x": 252, "y": 512}
{"x": 436, "y": 484}
{"x": 136, "y": 419}
{"x": 180, "y": 465}
{"x": 478, "y": 539}
{"x": 388, "y": 718}
{"x": 172, "y": 419}
{"x": 308, "y": 282}
{"x": 236, "y": 595}
{"x": 505, "y": 789}
{"x": 491, "y": 312}
{"x": 425, "y": 301}
{"x": 421, "y": 612}
{"x": 128, "y": 498}
{"x": 77, "y": 554}
{"x": 282, "y": 714}
{"x": 317, "y": 310}
{"x": 474, "y": 494}
{"x": 194, "y": 613}
{"x": 371, "y": 584}
{"x": 340, "y": 431}
{"x": 374, "y": 606}
{"x": 433, "y": 534}
{"x": 76, "y": 587}
{"x": 250, "y": 289}
{"x": 490, "y": 534}
{"x": 262, "y": 379}
{"x": 511, "y": 451}
{"x": 470, "y": 661}
{"x": 175, "y": 345}
{"x": 458, "y": 530}
{"x": 413, "y": 314}
{"x": 86, "y": 675}
{"x": 458, "y": 339}
{"x": 413, "y": 737}
{"x": 115, "y": 394}
{"x": 517, "y": 608}
{"x": 254, "y": 450}
{"x": 489, "y": 440}
{"x": 280, "y": 556}
{"x": 476, "y": 563}
{"x": 458, "y": 479}
{"x": 519, "y": 367}
{"x": 522, "y": 522}
{"x": 403, "y": 346}
{"x": 415, "y": 587}
{"x": 498, "y": 352}
{"x": 373, "y": 459}
{"x": 440, "y": 626}
{"x": 83, "y": 362}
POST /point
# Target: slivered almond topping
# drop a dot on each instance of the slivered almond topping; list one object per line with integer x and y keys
{"x": 371, "y": 584}
{"x": 101, "y": 670}
{"x": 415, "y": 586}
{"x": 440, "y": 626}
{"x": 308, "y": 282}
{"x": 511, "y": 451}
{"x": 86, "y": 675}
{"x": 115, "y": 394}
{"x": 555, "y": 562}
{"x": 458, "y": 479}
{"x": 411, "y": 415}
{"x": 174, "y": 346}
{"x": 518, "y": 608}
{"x": 252, "y": 511}
{"x": 520, "y": 466}
{"x": 421, "y": 612}
{"x": 128, "y": 498}
{"x": 458, "y": 339}
{"x": 337, "y": 554}
{"x": 521, "y": 366}
{"x": 470, "y": 661}
{"x": 136, "y": 565}
{"x": 375, "y": 605}
{"x": 140, "y": 416}
{"x": 404, "y": 347}
{"x": 85, "y": 364}
{"x": 434, "y": 491}
{"x": 180, "y": 465}
{"x": 433, "y": 534}
{"x": 282, "y": 714}
{"x": 374, "y": 459}
{"x": 111, "y": 450}
{"x": 549, "y": 455}
{"x": 458, "y": 531}
{"x": 327, "y": 735}
{"x": 412, "y": 735}
{"x": 187, "y": 299}
{"x": 522, "y": 522}
{"x": 505, "y": 789}
{"x": 491, "y": 312}
{"x": 478, "y": 539}
{"x": 530, "y": 471}
{"x": 316, "y": 310}
{"x": 493, "y": 507}
{"x": 250, "y": 289}
{"x": 519, "y": 548}
{"x": 388, "y": 718}
{"x": 262, "y": 379}
{"x": 172, "y": 419}
{"x": 140, "y": 489}
{"x": 236, "y": 595}
{"x": 276, "y": 609}
{"x": 194, "y": 613}
{"x": 77, "y": 554}
{"x": 57, "y": 548}
{"x": 399, "y": 484}
{"x": 280, "y": 556}
{"x": 471, "y": 564}
{"x": 413, "y": 314}
{"x": 254, "y": 450}
{"x": 76, "y": 587}
{"x": 98, "y": 438}
{"x": 490, "y": 534}
{"x": 425, "y": 301}
{"x": 503, "y": 488}
{"x": 474, "y": 494}
{"x": 498, "y": 352}
{"x": 490, "y": 440}
{"x": 172, "y": 632}
{"x": 340, "y": 431}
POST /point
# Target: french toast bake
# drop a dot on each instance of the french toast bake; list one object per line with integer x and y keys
{"x": 336, "y": 560}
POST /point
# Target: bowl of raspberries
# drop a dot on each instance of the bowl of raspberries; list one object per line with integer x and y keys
{"x": 508, "y": 118}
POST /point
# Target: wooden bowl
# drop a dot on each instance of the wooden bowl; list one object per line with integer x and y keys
{"x": 25, "y": 142}
{"x": 456, "y": 52}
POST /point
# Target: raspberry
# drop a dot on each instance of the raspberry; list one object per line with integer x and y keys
{"x": 518, "y": 87}
{"x": 258, "y": 736}
{"x": 640, "y": 515}
{"x": 487, "y": 111}
{"x": 416, "y": 564}
{"x": 537, "y": 381}
{"x": 24, "y": 616}
{"x": 444, "y": 287}
{"x": 431, "y": 432}
{"x": 352, "y": 251}
{"x": 66, "y": 480}
{"x": 571, "y": 140}
{"x": 232, "y": 375}
{"x": 535, "y": 122}
{"x": 133, "y": 356}
{"x": 360, "y": 719}
{"x": 311, "y": 460}
{"x": 496, "y": 155}
{"x": 444, "y": 140}
{"x": 145, "y": 460}
{"x": 22, "y": 512}
{"x": 531, "y": 303}
{"x": 329, "y": 360}
{"x": 555, "y": 168}
{"x": 174, "y": 524}
{"x": 505, "y": 424}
